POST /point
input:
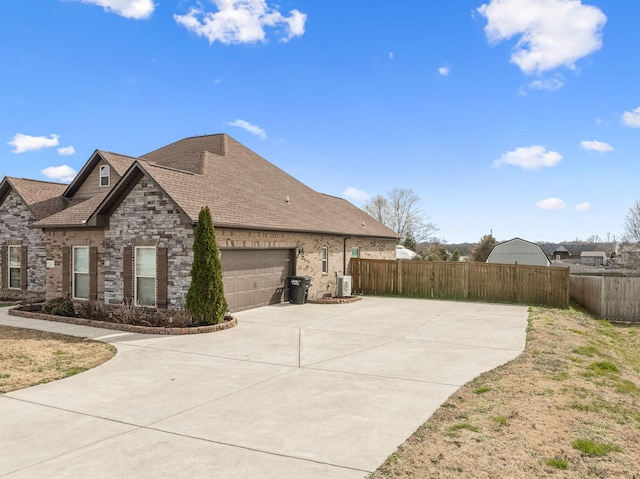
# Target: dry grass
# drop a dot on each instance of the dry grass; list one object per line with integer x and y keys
{"x": 568, "y": 407}
{"x": 29, "y": 357}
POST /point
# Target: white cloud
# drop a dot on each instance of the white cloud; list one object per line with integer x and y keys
{"x": 390, "y": 55}
{"x": 256, "y": 130}
{"x": 356, "y": 194}
{"x": 22, "y": 143}
{"x": 595, "y": 145}
{"x": 549, "y": 84}
{"x": 444, "y": 71}
{"x": 551, "y": 204}
{"x": 62, "y": 173}
{"x": 136, "y": 9}
{"x": 66, "y": 151}
{"x": 241, "y": 21}
{"x": 586, "y": 206}
{"x": 529, "y": 158}
{"x": 552, "y": 33}
{"x": 632, "y": 118}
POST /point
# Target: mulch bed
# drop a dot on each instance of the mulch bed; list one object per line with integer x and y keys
{"x": 27, "y": 312}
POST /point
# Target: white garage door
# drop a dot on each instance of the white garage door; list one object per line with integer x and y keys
{"x": 254, "y": 277}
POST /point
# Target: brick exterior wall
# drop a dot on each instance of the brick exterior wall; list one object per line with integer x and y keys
{"x": 146, "y": 217}
{"x": 310, "y": 264}
{"x": 56, "y": 240}
{"x": 15, "y": 218}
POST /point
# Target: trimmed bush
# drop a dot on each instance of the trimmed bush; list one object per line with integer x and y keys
{"x": 62, "y": 306}
{"x": 205, "y": 298}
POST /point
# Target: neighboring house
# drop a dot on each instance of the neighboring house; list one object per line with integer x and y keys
{"x": 404, "y": 253}
{"x": 593, "y": 258}
{"x": 518, "y": 251}
{"x": 22, "y": 249}
{"x": 130, "y": 237}
{"x": 560, "y": 253}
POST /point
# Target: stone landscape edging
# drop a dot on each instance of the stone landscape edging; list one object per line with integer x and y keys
{"x": 131, "y": 328}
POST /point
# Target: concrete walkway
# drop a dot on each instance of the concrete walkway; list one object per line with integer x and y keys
{"x": 313, "y": 391}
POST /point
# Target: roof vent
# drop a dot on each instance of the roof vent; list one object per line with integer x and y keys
{"x": 287, "y": 200}
{"x": 363, "y": 223}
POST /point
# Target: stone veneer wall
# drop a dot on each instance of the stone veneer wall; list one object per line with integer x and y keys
{"x": 310, "y": 264}
{"x": 15, "y": 218}
{"x": 56, "y": 240}
{"x": 146, "y": 217}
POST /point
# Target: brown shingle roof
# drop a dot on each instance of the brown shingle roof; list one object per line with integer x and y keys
{"x": 42, "y": 197}
{"x": 243, "y": 189}
{"x": 77, "y": 214}
{"x": 120, "y": 163}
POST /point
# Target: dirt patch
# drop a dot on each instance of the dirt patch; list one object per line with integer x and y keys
{"x": 29, "y": 357}
{"x": 569, "y": 407}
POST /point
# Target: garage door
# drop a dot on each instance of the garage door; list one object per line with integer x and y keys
{"x": 254, "y": 277}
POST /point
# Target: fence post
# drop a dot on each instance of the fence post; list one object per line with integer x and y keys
{"x": 399, "y": 276}
{"x": 466, "y": 280}
{"x": 602, "y": 294}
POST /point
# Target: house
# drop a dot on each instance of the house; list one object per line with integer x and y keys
{"x": 129, "y": 233}
{"x": 518, "y": 251}
{"x": 593, "y": 258}
{"x": 22, "y": 249}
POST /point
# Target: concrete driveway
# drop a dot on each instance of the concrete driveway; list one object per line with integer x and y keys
{"x": 326, "y": 391}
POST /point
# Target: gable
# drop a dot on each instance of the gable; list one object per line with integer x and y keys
{"x": 89, "y": 182}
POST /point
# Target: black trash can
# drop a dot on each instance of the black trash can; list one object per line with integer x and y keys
{"x": 298, "y": 286}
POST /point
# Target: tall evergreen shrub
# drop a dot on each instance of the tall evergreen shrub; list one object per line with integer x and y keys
{"x": 205, "y": 299}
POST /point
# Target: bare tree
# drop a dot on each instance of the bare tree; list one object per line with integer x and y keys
{"x": 631, "y": 235}
{"x": 401, "y": 211}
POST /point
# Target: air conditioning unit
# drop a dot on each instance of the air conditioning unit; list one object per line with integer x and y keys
{"x": 344, "y": 286}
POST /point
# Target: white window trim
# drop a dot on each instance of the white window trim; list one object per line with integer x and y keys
{"x": 73, "y": 272}
{"x": 107, "y": 169}
{"x": 135, "y": 278}
{"x": 324, "y": 261}
{"x": 11, "y": 266}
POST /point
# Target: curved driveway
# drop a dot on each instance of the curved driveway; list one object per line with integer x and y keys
{"x": 326, "y": 391}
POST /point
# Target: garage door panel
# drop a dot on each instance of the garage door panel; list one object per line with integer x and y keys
{"x": 255, "y": 277}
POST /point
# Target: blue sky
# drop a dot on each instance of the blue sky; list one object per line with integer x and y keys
{"x": 516, "y": 116}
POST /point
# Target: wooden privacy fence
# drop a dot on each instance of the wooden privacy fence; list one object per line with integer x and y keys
{"x": 462, "y": 280}
{"x": 616, "y": 298}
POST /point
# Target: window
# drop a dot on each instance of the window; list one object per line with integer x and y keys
{"x": 81, "y": 272}
{"x": 325, "y": 262}
{"x": 145, "y": 285}
{"x": 104, "y": 175}
{"x": 355, "y": 252}
{"x": 15, "y": 264}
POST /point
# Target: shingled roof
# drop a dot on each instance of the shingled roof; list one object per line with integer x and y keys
{"x": 43, "y": 198}
{"x": 119, "y": 163}
{"x": 242, "y": 190}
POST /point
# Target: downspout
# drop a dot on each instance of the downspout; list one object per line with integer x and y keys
{"x": 344, "y": 254}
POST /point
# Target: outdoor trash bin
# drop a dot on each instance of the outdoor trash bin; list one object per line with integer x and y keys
{"x": 298, "y": 287}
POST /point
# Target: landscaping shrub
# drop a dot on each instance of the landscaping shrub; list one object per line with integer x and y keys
{"x": 62, "y": 306}
{"x": 205, "y": 298}
{"x": 127, "y": 313}
{"x": 93, "y": 309}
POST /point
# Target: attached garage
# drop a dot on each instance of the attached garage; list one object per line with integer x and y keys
{"x": 255, "y": 277}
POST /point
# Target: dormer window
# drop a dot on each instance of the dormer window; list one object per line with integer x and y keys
{"x": 104, "y": 175}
